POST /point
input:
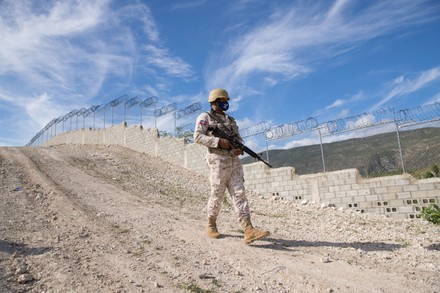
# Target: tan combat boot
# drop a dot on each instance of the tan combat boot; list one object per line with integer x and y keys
{"x": 251, "y": 234}
{"x": 212, "y": 228}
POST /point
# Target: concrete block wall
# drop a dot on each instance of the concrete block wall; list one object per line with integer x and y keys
{"x": 141, "y": 140}
{"x": 172, "y": 150}
{"x": 195, "y": 158}
{"x": 399, "y": 196}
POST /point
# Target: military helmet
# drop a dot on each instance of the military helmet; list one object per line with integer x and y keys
{"x": 217, "y": 94}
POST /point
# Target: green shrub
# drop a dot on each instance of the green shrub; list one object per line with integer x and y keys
{"x": 429, "y": 174}
{"x": 435, "y": 170}
{"x": 432, "y": 213}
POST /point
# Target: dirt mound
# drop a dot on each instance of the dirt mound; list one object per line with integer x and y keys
{"x": 107, "y": 219}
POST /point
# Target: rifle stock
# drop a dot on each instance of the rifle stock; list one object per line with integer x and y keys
{"x": 236, "y": 143}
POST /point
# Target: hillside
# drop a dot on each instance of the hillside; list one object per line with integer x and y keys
{"x": 372, "y": 156}
{"x": 108, "y": 219}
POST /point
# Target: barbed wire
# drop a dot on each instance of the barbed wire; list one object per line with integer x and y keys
{"x": 118, "y": 101}
{"x": 363, "y": 120}
{"x": 429, "y": 112}
{"x": 255, "y": 129}
{"x": 188, "y": 110}
{"x": 420, "y": 114}
{"x": 291, "y": 129}
{"x": 132, "y": 102}
{"x": 165, "y": 110}
{"x": 148, "y": 102}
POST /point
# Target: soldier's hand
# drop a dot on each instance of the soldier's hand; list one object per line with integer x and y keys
{"x": 224, "y": 144}
{"x": 238, "y": 152}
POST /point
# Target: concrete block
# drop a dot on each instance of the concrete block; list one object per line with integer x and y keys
{"x": 359, "y": 198}
{"x": 419, "y": 193}
{"x": 364, "y": 192}
{"x": 340, "y": 194}
{"x": 412, "y": 187}
{"x": 380, "y": 190}
{"x": 403, "y": 195}
{"x": 395, "y": 203}
{"x": 288, "y": 188}
{"x": 434, "y": 192}
{"x": 347, "y": 199}
{"x": 331, "y": 188}
{"x": 275, "y": 184}
{"x": 326, "y": 189}
{"x": 406, "y": 209}
{"x": 395, "y": 189}
{"x": 427, "y": 186}
{"x": 389, "y": 196}
{"x": 388, "y": 182}
{"x": 366, "y": 204}
{"x": 352, "y": 193}
{"x": 372, "y": 198}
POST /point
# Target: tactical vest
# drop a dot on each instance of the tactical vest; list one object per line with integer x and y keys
{"x": 219, "y": 121}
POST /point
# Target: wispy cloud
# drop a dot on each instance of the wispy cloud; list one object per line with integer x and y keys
{"x": 342, "y": 105}
{"x": 294, "y": 39}
{"x": 343, "y": 102}
{"x": 161, "y": 59}
{"x": 403, "y": 85}
{"x": 434, "y": 99}
{"x": 185, "y": 5}
{"x": 59, "y": 54}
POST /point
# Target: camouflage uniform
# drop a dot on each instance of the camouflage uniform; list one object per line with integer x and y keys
{"x": 226, "y": 170}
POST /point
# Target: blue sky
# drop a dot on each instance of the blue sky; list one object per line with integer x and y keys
{"x": 281, "y": 61}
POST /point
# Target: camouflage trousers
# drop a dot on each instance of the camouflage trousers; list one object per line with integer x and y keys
{"x": 227, "y": 173}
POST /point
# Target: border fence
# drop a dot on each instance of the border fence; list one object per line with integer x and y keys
{"x": 383, "y": 142}
{"x": 378, "y": 143}
{"x": 123, "y": 110}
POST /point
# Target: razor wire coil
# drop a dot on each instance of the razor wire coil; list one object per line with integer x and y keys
{"x": 165, "y": 110}
{"x": 255, "y": 129}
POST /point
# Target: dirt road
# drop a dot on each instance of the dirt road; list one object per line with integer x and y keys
{"x": 107, "y": 219}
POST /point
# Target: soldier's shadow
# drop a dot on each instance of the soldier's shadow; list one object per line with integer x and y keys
{"x": 290, "y": 245}
{"x": 12, "y": 247}
{"x": 236, "y": 236}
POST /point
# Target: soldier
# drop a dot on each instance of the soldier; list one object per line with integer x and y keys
{"x": 226, "y": 170}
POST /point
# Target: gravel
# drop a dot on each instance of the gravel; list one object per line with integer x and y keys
{"x": 108, "y": 219}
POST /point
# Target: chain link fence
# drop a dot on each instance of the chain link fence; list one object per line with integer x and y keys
{"x": 384, "y": 142}
{"x": 130, "y": 111}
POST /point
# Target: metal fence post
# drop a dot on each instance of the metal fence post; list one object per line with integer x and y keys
{"x": 400, "y": 148}
{"x": 322, "y": 149}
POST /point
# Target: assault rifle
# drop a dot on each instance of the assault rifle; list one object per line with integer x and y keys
{"x": 237, "y": 144}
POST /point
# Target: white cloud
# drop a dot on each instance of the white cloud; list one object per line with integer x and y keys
{"x": 58, "y": 55}
{"x": 343, "y": 113}
{"x": 160, "y": 58}
{"x": 270, "y": 81}
{"x": 42, "y": 109}
{"x": 402, "y": 86}
{"x": 434, "y": 99}
{"x": 294, "y": 38}
{"x": 337, "y": 103}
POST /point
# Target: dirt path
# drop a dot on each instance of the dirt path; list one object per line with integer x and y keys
{"x": 107, "y": 219}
